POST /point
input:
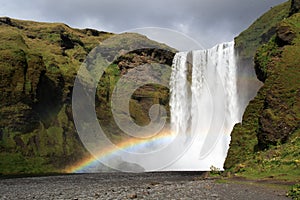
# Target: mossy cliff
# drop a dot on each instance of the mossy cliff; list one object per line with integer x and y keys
{"x": 38, "y": 66}
{"x": 144, "y": 97}
{"x": 267, "y": 142}
{"x": 246, "y": 45}
{"x": 39, "y": 62}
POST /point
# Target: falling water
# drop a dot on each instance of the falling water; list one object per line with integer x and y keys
{"x": 204, "y": 105}
{"x": 204, "y": 108}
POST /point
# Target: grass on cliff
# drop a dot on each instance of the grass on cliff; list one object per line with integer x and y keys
{"x": 282, "y": 87}
{"x": 260, "y": 31}
{"x": 27, "y": 49}
{"x": 46, "y": 39}
{"x": 279, "y": 162}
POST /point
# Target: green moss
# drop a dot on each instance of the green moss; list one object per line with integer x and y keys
{"x": 16, "y": 163}
{"x": 294, "y": 192}
{"x": 114, "y": 74}
{"x": 11, "y": 39}
{"x": 7, "y": 142}
{"x": 51, "y": 142}
{"x": 270, "y": 114}
{"x": 278, "y": 162}
{"x": 39, "y": 57}
{"x": 260, "y": 31}
{"x": 243, "y": 137}
{"x": 62, "y": 117}
{"x": 274, "y": 110}
{"x": 265, "y": 54}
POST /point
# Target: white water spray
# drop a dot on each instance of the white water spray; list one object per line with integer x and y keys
{"x": 204, "y": 108}
{"x": 204, "y": 105}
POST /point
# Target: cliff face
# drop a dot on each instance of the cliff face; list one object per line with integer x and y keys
{"x": 295, "y": 7}
{"x": 38, "y": 65}
{"x": 246, "y": 45}
{"x": 39, "y": 61}
{"x": 267, "y": 142}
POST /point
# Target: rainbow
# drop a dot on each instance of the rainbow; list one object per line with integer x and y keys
{"x": 130, "y": 145}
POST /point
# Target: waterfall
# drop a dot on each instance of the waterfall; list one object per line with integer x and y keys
{"x": 204, "y": 105}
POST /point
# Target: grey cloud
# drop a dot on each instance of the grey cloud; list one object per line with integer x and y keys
{"x": 207, "y": 21}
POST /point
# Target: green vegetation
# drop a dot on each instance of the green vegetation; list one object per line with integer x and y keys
{"x": 38, "y": 65}
{"x": 279, "y": 162}
{"x": 294, "y": 192}
{"x": 16, "y": 163}
{"x": 268, "y": 51}
{"x": 142, "y": 98}
{"x": 214, "y": 171}
{"x": 260, "y": 31}
{"x": 267, "y": 143}
{"x": 39, "y": 62}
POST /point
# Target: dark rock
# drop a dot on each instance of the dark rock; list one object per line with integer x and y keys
{"x": 295, "y": 7}
{"x": 272, "y": 132}
{"x": 277, "y": 121}
{"x": 265, "y": 37}
{"x": 91, "y": 32}
{"x": 66, "y": 42}
{"x": 19, "y": 142}
{"x": 5, "y": 20}
{"x": 143, "y": 56}
{"x": 261, "y": 74}
{"x": 8, "y": 21}
{"x": 285, "y": 35}
{"x": 49, "y": 97}
{"x": 19, "y": 117}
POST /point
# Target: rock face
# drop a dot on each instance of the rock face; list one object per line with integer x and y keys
{"x": 246, "y": 44}
{"x": 295, "y": 7}
{"x": 279, "y": 117}
{"x": 38, "y": 65}
{"x": 270, "y": 128}
{"x": 144, "y": 97}
{"x": 285, "y": 35}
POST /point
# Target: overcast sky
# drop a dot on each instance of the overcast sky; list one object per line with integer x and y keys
{"x": 207, "y": 21}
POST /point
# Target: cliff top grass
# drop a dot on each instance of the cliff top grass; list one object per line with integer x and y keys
{"x": 260, "y": 31}
{"x": 63, "y": 48}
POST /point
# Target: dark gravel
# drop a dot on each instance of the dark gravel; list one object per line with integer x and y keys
{"x": 167, "y": 185}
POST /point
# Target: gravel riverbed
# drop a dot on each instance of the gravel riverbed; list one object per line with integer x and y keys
{"x": 163, "y": 185}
